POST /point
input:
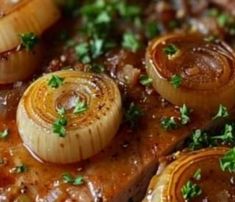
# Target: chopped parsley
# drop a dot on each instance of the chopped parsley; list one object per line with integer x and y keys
{"x": 198, "y": 174}
{"x": 176, "y": 80}
{"x": 130, "y": 42}
{"x": 190, "y": 190}
{"x": 69, "y": 179}
{"x": 222, "y": 112}
{"x": 82, "y": 52}
{"x": 80, "y": 107}
{"x": 170, "y": 50}
{"x": 152, "y": 30}
{"x": 184, "y": 115}
{"x": 4, "y": 134}
{"x": 145, "y": 80}
{"x": 133, "y": 114}
{"x": 59, "y": 125}
{"x": 61, "y": 111}
{"x": 224, "y": 20}
{"x": 169, "y": 123}
{"x": 28, "y": 40}
{"x": 98, "y": 20}
{"x": 198, "y": 140}
{"x": 227, "y": 162}
{"x": 55, "y": 81}
{"x": 20, "y": 169}
{"x": 228, "y": 135}
{"x": 128, "y": 11}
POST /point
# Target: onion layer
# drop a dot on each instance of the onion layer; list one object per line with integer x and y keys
{"x": 214, "y": 183}
{"x": 19, "y": 65}
{"x": 86, "y": 133}
{"x": 207, "y": 70}
{"x": 22, "y": 17}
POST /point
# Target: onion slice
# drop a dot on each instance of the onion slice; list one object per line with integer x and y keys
{"x": 213, "y": 182}
{"x": 86, "y": 133}
{"x": 18, "y": 65}
{"x": 25, "y": 16}
{"x": 206, "y": 70}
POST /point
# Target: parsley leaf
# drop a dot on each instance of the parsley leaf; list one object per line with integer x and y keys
{"x": 68, "y": 178}
{"x": 20, "y": 168}
{"x": 227, "y": 162}
{"x": 184, "y": 115}
{"x": 152, "y": 30}
{"x": 222, "y": 112}
{"x": 4, "y": 134}
{"x": 169, "y": 123}
{"x": 61, "y": 111}
{"x": 190, "y": 190}
{"x": 198, "y": 174}
{"x": 128, "y": 11}
{"x": 170, "y": 50}
{"x": 82, "y": 52}
{"x": 130, "y": 42}
{"x": 145, "y": 80}
{"x": 28, "y": 40}
{"x": 228, "y": 135}
{"x": 133, "y": 114}
{"x": 176, "y": 81}
{"x": 55, "y": 81}
{"x": 198, "y": 140}
{"x": 60, "y": 123}
{"x": 80, "y": 107}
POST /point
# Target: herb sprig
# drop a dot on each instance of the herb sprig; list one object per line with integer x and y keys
{"x": 60, "y": 123}
{"x": 190, "y": 190}
{"x": 70, "y": 179}
{"x": 227, "y": 162}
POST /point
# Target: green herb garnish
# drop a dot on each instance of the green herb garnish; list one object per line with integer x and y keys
{"x": 228, "y": 135}
{"x": 169, "y": 123}
{"x": 4, "y": 134}
{"x": 227, "y": 162}
{"x": 222, "y": 112}
{"x": 28, "y": 40}
{"x": 145, "y": 80}
{"x": 60, "y": 123}
{"x": 190, "y": 190}
{"x": 152, "y": 30}
{"x": 68, "y": 178}
{"x": 20, "y": 168}
{"x": 198, "y": 174}
{"x": 199, "y": 139}
{"x": 128, "y": 11}
{"x": 170, "y": 50}
{"x": 133, "y": 114}
{"x": 80, "y": 107}
{"x": 130, "y": 42}
{"x": 176, "y": 81}
{"x": 83, "y": 53}
{"x": 184, "y": 115}
{"x": 55, "y": 81}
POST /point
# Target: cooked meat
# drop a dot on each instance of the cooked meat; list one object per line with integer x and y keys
{"x": 119, "y": 173}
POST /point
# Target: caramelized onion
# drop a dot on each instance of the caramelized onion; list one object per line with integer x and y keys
{"x": 215, "y": 184}
{"x": 86, "y": 133}
{"x": 24, "y": 16}
{"x": 18, "y": 65}
{"x": 20, "y": 17}
{"x": 207, "y": 70}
